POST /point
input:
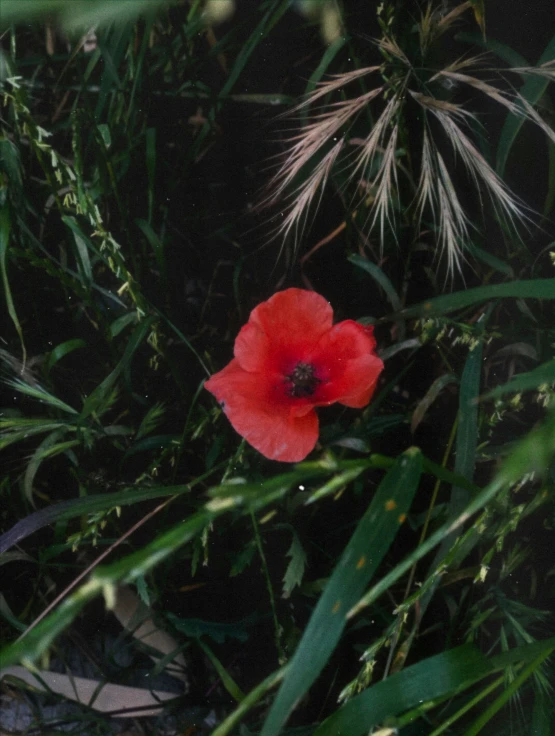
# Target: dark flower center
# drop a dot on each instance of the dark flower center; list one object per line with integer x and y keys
{"x": 302, "y": 381}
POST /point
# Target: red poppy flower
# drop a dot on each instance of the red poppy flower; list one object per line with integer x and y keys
{"x": 290, "y": 358}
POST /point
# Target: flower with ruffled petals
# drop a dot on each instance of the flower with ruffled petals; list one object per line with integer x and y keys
{"x": 290, "y": 358}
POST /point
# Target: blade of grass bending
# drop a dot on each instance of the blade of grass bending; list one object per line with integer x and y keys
{"x": 531, "y": 289}
{"x": 124, "y": 571}
{"x": 329, "y": 55}
{"x": 42, "y": 395}
{"x": 503, "y": 51}
{"x": 29, "y": 647}
{"x": 429, "y": 397}
{"x": 227, "y": 680}
{"x": 75, "y": 16}
{"x": 250, "y": 701}
{"x": 382, "y": 280}
{"x": 533, "y": 454}
{"x": 157, "y": 247}
{"x": 5, "y": 229}
{"x": 508, "y": 692}
{"x": 467, "y": 432}
{"x": 429, "y": 680}
{"x": 96, "y": 398}
{"x": 38, "y": 456}
{"x": 61, "y": 350}
{"x": 532, "y": 90}
{"x": 544, "y": 373}
{"x": 66, "y": 510}
{"x": 364, "y": 552}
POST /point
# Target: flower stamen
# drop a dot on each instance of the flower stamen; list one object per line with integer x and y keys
{"x": 302, "y": 381}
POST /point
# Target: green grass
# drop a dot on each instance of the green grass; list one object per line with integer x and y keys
{"x": 395, "y": 579}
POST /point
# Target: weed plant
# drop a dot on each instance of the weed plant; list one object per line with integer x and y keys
{"x": 164, "y": 168}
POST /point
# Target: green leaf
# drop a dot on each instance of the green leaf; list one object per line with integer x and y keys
{"x": 5, "y": 228}
{"x": 364, "y": 552}
{"x": 533, "y": 454}
{"x": 48, "y": 447}
{"x": 432, "y": 679}
{"x": 428, "y": 680}
{"x": 429, "y": 397}
{"x": 156, "y": 245}
{"x": 227, "y": 680}
{"x": 66, "y": 510}
{"x": 77, "y": 15}
{"x": 543, "y": 374}
{"x": 60, "y": 351}
{"x": 508, "y": 54}
{"x": 509, "y": 691}
{"x": 532, "y": 289}
{"x": 382, "y": 280}
{"x": 296, "y": 567}
{"x": 250, "y": 701}
{"x": 95, "y": 400}
{"x": 41, "y": 394}
{"x": 532, "y": 91}
{"x": 219, "y": 632}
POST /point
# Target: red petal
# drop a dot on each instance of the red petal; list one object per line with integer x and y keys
{"x": 346, "y": 364}
{"x": 283, "y": 330}
{"x": 249, "y": 401}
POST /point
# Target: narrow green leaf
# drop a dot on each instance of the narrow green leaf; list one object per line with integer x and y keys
{"x": 73, "y": 508}
{"x": 41, "y": 394}
{"x": 150, "y": 159}
{"x": 382, "y": 280}
{"x": 532, "y": 90}
{"x": 156, "y": 245}
{"x": 508, "y": 54}
{"x": 467, "y": 430}
{"x": 79, "y": 15}
{"x": 96, "y": 399}
{"x": 61, "y": 350}
{"x": 428, "y": 680}
{"x": 532, "y": 289}
{"x": 359, "y": 561}
{"x": 227, "y": 680}
{"x": 543, "y": 374}
{"x": 431, "y": 679}
{"x": 509, "y": 692}
{"x": 274, "y": 13}
{"x": 45, "y": 449}
{"x": 429, "y": 397}
{"x": 533, "y": 454}
{"x": 5, "y": 229}
{"x": 250, "y": 701}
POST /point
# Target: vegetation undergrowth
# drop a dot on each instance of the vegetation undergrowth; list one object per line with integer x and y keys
{"x": 165, "y": 167}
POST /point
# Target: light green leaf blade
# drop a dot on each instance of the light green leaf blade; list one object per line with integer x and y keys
{"x": 532, "y": 289}
{"x": 5, "y": 229}
{"x": 429, "y": 397}
{"x": 543, "y": 374}
{"x": 431, "y": 678}
{"x": 61, "y": 350}
{"x": 532, "y": 90}
{"x": 364, "y": 552}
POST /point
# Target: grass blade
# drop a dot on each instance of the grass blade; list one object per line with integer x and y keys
{"x": 5, "y": 227}
{"x": 364, "y": 552}
{"x": 531, "y": 289}
{"x": 431, "y": 679}
{"x": 544, "y": 373}
{"x": 532, "y": 90}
